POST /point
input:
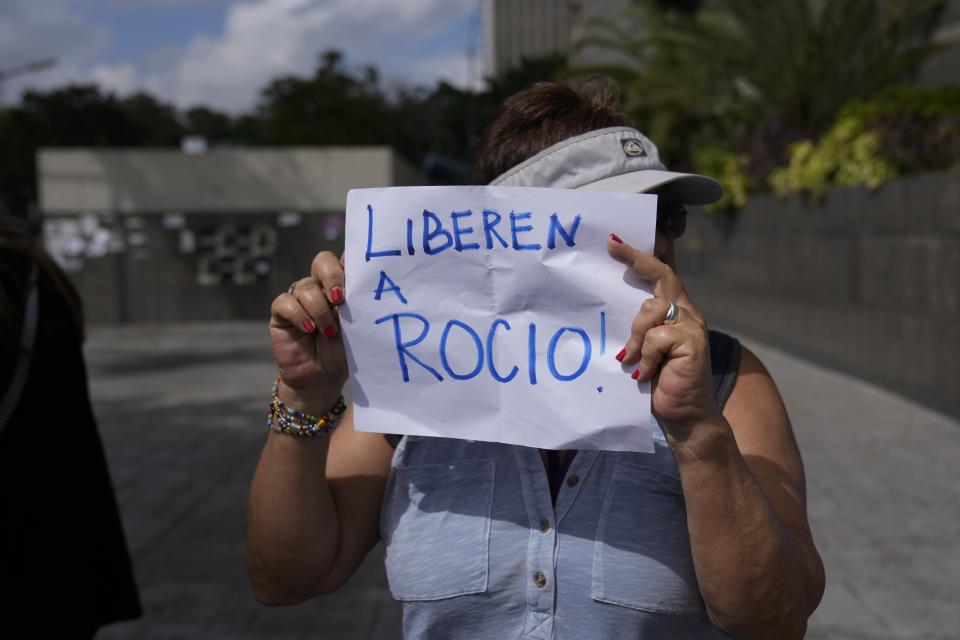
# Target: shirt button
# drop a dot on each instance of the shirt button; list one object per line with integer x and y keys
{"x": 540, "y": 580}
{"x": 544, "y": 525}
{"x": 572, "y": 480}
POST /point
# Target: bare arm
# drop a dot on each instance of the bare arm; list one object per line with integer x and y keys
{"x": 314, "y": 504}
{"x": 314, "y": 512}
{"x": 743, "y": 484}
{"x": 758, "y": 569}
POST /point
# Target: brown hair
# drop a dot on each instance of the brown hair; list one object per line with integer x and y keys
{"x": 541, "y": 116}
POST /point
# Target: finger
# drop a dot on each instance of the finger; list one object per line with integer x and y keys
{"x": 313, "y": 300}
{"x": 631, "y": 350}
{"x": 646, "y": 319}
{"x": 663, "y": 280}
{"x": 328, "y": 271}
{"x": 286, "y": 312}
{"x": 652, "y": 313}
{"x": 658, "y": 344}
{"x": 332, "y": 356}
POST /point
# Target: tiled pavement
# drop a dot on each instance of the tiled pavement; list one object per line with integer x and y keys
{"x": 181, "y": 412}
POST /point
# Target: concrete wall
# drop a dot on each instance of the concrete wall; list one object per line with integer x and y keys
{"x": 156, "y": 235}
{"x": 210, "y": 267}
{"x": 237, "y": 180}
{"x": 865, "y": 282}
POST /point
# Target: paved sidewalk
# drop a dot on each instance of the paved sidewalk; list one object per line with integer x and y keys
{"x": 181, "y": 411}
{"x": 884, "y": 501}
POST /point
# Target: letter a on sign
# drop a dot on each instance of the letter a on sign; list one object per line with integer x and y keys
{"x": 382, "y": 288}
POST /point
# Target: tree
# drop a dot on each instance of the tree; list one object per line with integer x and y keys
{"x": 149, "y": 122}
{"x": 443, "y": 125}
{"x": 332, "y": 107}
{"x": 437, "y": 128}
{"x": 756, "y": 74}
{"x": 75, "y": 115}
{"x": 215, "y": 126}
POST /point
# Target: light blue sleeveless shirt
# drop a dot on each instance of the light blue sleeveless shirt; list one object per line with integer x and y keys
{"x": 476, "y": 549}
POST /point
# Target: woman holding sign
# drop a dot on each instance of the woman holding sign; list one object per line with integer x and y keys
{"x": 707, "y": 537}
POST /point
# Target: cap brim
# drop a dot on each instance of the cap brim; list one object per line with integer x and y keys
{"x": 687, "y": 188}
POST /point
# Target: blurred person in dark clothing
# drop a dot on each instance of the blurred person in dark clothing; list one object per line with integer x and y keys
{"x": 64, "y": 565}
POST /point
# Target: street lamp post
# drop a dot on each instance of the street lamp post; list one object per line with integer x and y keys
{"x": 24, "y": 69}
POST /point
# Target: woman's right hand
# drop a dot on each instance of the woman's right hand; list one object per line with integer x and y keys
{"x": 305, "y": 338}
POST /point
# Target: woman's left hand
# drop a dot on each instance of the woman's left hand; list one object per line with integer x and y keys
{"x": 675, "y": 357}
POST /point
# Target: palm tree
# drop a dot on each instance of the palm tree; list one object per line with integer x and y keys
{"x": 756, "y": 74}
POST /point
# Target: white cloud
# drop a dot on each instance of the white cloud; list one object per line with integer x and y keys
{"x": 32, "y": 31}
{"x": 261, "y": 39}
{"x": 453, "y": 68}
{"x": 141, "y": 4}
{"x": 118, "y": 78}
{"x": 137, "y": 4}
{"x": 273, "y": 37}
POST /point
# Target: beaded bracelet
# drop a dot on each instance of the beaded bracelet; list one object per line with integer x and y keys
{"x": 297, "y": 423}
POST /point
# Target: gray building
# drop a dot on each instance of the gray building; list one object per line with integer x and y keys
{"x": 518, "y": 29}
{"x": 163, "y": 236}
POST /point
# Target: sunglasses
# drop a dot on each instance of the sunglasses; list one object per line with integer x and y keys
{"x": 671, "y": 218}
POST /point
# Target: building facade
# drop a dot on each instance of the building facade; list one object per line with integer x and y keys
{"x": 164, "y": 236}
{"x": 518, "y": 29}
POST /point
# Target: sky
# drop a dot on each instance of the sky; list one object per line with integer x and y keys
{"x": 220, "y": 53}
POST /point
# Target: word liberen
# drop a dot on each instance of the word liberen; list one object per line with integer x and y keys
{"x": 436, "y": 237}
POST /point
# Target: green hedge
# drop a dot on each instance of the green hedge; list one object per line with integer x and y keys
{"x": 905, "y": 129}
{"x": 902, "y": 130}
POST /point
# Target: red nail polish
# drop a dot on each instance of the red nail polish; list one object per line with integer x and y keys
{"x": 616, "y": 238}
{"x": 336, "y": 294}
{"x": 635, "y": 374}
{"x": 621, "y": 355}
{"x": 330, "y": 330}
{"x": 308, "y": 326}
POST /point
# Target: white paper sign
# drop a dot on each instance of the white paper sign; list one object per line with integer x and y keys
{"x": 495, "y": 314}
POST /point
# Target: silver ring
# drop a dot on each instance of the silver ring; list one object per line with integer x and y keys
{"x": 673, "y": 313}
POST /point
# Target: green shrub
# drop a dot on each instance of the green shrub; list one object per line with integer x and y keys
{"x": 730, "y": 170}
{"x": 902, "y": 130}
{"x": 847, "y": 155}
